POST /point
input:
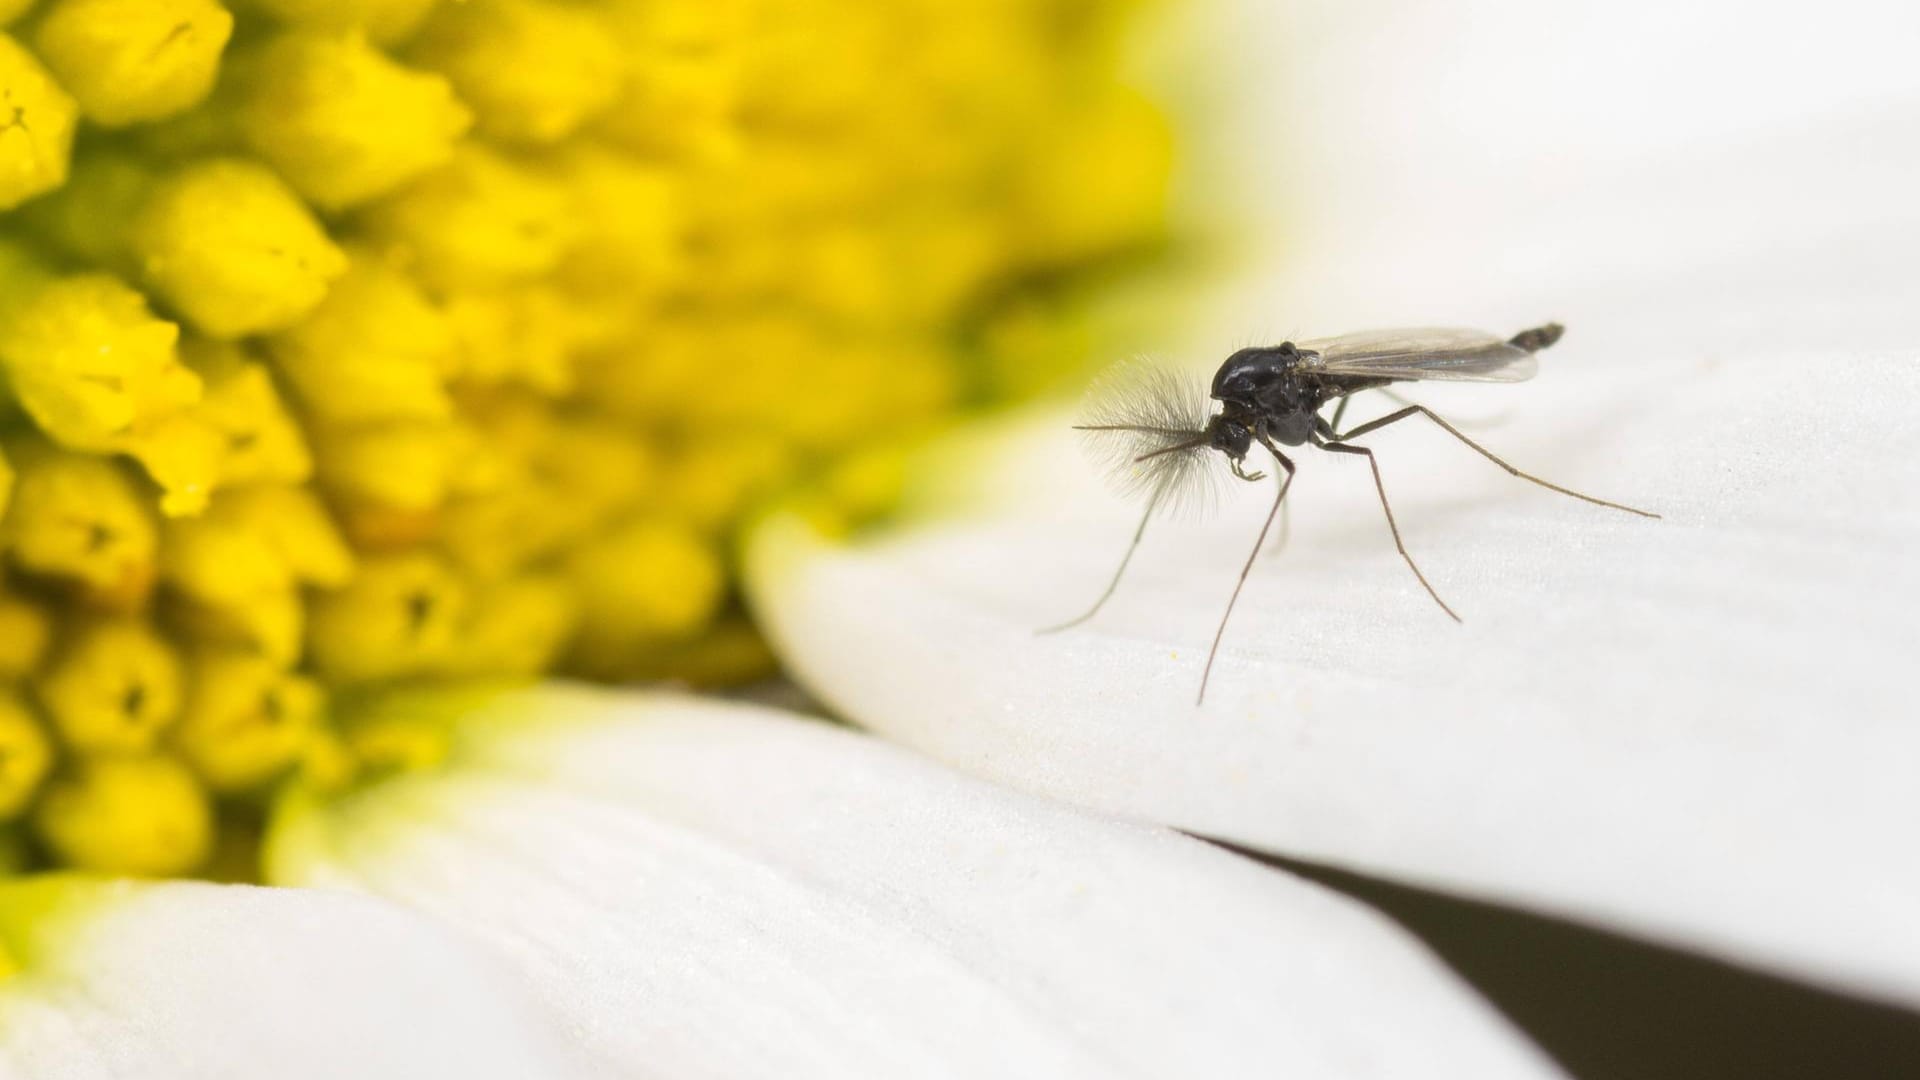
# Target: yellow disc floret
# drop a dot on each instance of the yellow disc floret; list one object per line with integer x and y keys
{"x": 25, "y": 629}
{"x": 126, "y": 815}
{"x": 399, "y": 616}
{"x": 25, "y": 755}
{"x": 514, "y": 627}
{"x": 375, "y": 349}
{"x": 233, "y": 248}
{"x": 133, "y": 60}
{"x": 533, "y": 69}
{"x": 81, "y": 520}
{"x": 642, "y": 583}
{"x": 88, "y": 361}
{"x": 407, "y": 469}
{"x": 246, "y": 719}
{"x": 482, "y": 219}
{"x": 237, "y": 572}
{"x": 36, "y": 126}
{"x": 111, "y": 686}
{"x": 260, "y": 441}
{"x": 339, "y": 119}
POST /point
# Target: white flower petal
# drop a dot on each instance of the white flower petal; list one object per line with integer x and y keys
{"x": 1700, "y": 729}
{"x": 207, "y": 982}
{"x": 1693, "y": 728}
{"x": 709, "y": 889}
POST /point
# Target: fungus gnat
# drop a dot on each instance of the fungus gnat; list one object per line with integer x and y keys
{"x": 1157, "y": 431}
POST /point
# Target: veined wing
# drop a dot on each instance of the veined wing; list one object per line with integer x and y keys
{"x": 1420, "y": 354}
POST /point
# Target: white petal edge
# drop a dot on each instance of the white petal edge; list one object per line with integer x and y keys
{"x": 208, "y": 982}
{"x": 710, "y": 889}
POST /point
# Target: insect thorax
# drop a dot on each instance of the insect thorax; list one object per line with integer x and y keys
{"x": 1293, "y": 427}
{"x": 1264, "y": 389}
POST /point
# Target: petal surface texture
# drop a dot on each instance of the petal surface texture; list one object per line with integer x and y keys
{"x": 1700, "y": 729}
{"x": 711, "y": 889}
{"x": 181, "y": 981}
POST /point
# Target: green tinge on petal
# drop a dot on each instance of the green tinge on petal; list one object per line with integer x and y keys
{"x": 398, "y": 734}
{"x": 183, "y": 981}
{"x": 38, "y": 913}
{"x": 708, "y": 888}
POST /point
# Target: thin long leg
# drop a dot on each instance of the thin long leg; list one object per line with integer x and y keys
{"x": 1422, "y": 410}
{"x": 1381, "y": 487}
{"x": 1258, "y": 542}
{"x": 1484, "y": 421}
{"x": 1286, "y": 513}
{"x": 1138, "y": 532}
{"x": 1286, "y": 530}
{"x": 1340, "y": 410}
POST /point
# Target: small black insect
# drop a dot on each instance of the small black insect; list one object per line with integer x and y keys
{"x": 1157, "y": 432}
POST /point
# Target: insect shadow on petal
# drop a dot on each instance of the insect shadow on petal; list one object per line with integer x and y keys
{"x": 1157, "y": 432}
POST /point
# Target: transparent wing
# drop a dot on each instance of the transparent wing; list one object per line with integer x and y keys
{"x": 1145, "y": 425}
{"x": 1422, "y": 354}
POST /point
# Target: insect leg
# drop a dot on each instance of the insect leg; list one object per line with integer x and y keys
{"x": 1258, "y": 542}
{"x": 1286, "y": 530}
{"x": 1422, "y": 410}
{"x": 1286, "y": 509}
{"x": 1340, "y": 410}
{"x": 1327, "y": 428}
{"x": 1483, "y": 421}
{"x": 1381, "y": 487}
{"x": 1138, "y": 532}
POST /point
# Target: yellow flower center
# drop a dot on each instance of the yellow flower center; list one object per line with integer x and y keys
{"x": 376, "y": 341}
